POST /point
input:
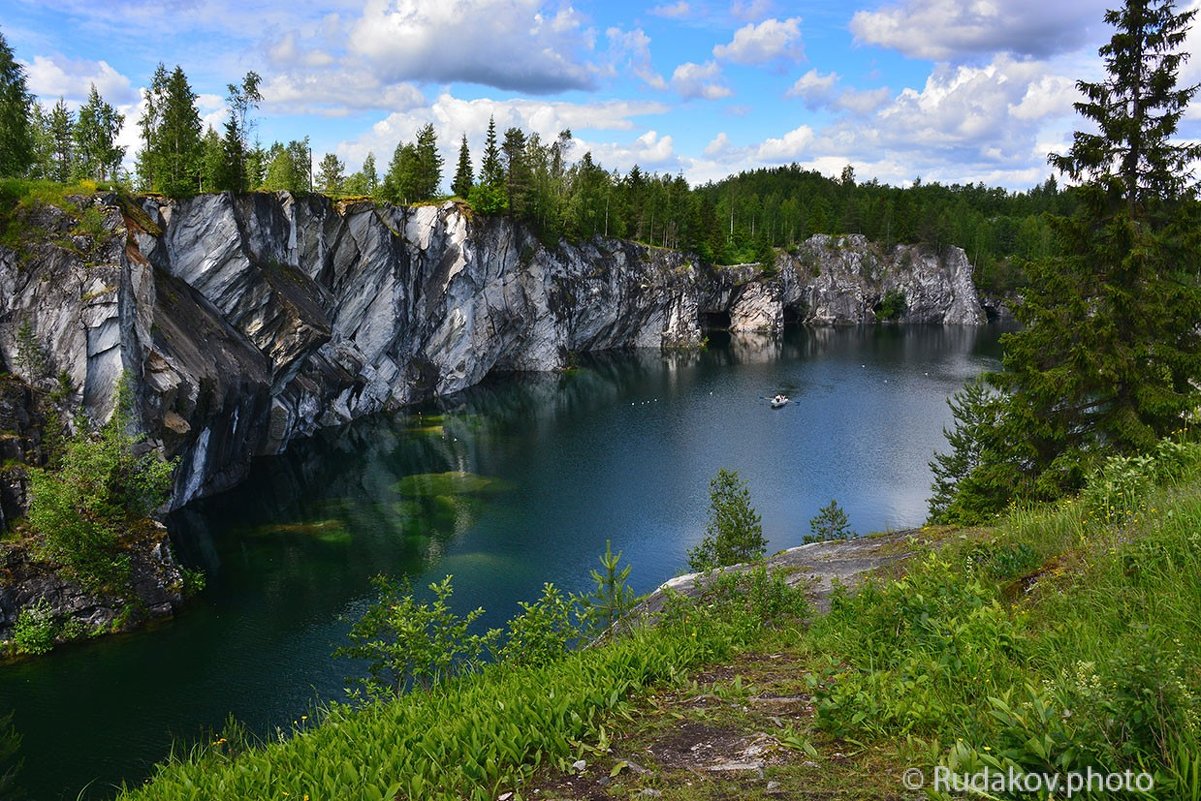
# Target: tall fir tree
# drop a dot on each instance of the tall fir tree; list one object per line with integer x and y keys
{"x": 1109, "y": 355}
{"x": 429, "y": 164}
{"x": 464, "y": 177}
{"x": 97, "y": 154}
{"x": 60, "y": 136}
{"x": 170, "y": 161}
{"x": 16, "y": 116}
{"x": 492, "y": 171}
{"x": 517, "y": 171}
{"x": 331, "y": 178}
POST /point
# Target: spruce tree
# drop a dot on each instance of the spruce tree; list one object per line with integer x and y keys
{"x": 1109, "y": 353}
{"x": 428, "y": 166}
{"x": 16, "y": 116}
{"x": 170, "y": 160}
{"x": 97, "y": 154}
{"x": 331, "y": 179}
{"x": 464, "y": 177}
{"x": 240, "y": 99}
{"x": 492, "y": 172}
{"x": 61, "y": 142}
{"x": 517, "y": 172}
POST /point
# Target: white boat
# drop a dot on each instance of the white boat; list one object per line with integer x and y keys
{"x": 779, "y": 401}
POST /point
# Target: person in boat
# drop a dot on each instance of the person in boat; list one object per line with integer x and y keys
{"x": 779, "y": 400}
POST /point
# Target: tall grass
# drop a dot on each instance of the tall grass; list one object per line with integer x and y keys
{"x": 1068, "y": 637}
{"x": 481, "y": 734}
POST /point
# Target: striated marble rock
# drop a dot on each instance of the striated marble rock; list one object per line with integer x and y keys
{"x": 246, "y": 321}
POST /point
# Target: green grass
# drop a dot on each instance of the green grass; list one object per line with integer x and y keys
{"x": 1062, "y": 639}
{"x": 481, "y": 734}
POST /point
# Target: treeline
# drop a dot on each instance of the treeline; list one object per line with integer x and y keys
{"x": 560, "y": 193}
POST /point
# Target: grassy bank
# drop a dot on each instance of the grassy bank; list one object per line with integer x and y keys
{"x": 1063, "y": 638}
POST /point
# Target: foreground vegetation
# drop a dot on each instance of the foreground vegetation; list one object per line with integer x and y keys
{"x": 1063, "y": 638}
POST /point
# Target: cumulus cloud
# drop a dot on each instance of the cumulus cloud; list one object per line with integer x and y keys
{"x": 454, "y": 116}
{"x": 699, "y": 80}
{"x": 948, "y": 30}
{"x": 632, "y": 50}
{"x": 815, "y": 88}
{"x": 789, "y": 147}
{"x": 51, "y": 78}
{"x": 756, "y": 44}
{"x": 506, "y": 44}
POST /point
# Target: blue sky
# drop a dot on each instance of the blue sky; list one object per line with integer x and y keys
{"x": 948, "y": 90}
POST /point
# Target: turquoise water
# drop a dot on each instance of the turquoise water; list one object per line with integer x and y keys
{"x": 508, "y": 485}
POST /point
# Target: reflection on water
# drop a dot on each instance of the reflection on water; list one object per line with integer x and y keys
{"x": 516, "y": 482}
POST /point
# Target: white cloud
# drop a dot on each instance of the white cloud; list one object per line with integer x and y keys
{"x": 633, "y": 49}
{"x": 788, "y": 147}
{"x": 751, "y": 9}
{"x": 672, "y": 10}
{"x": 286, "y": 52}
{"x": 51, "y": 78}
{"x": 863, "y": 101}
{"x": 945, "y": 30}
{"x": 699, "y": 80}
{"x": 756, "y": 44}
{"x": 507, "y": 44}
{"x": 718, "y": 145}
{"x": 453, "y": 116}
{"x": 816, "y": 89}
{"x": 336, "y": 93}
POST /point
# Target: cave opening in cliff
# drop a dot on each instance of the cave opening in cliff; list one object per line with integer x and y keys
{"x": 794, "y": 314}
{"x": 714, "y": 320}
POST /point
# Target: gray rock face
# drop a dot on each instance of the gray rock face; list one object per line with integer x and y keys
{"x": 247, "y": 321}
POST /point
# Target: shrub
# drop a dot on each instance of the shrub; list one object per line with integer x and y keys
{"x": 101, "y": 490}
{"x": 35, "y": 631}
{"x": 891, "y": 306}
{"x": 734, "y": 532}
{"x": 543, "y": 632}
{"x": 830, "y": 523}
{"x": 407, "y": 643}
{"x": 1120, "y": 488}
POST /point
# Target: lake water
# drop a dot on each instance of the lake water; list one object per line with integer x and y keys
{"x": 506, "y": 486}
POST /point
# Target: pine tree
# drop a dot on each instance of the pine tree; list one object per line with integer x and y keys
{"x": 402, "y": 183}
{"x": 734, "y": 532}
{"x": 170, "y": 161}
{"x": 517, "y": 172}
{"x": 464, "y": 177}
{"x": 212, "y": 170}
{"x": 97, "y": 154}
{"x": 16, "y": 116}
{"x": 330, "y": 175}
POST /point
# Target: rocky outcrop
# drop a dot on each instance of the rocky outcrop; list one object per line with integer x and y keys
{"x": 846, "y": 280}
{"x": 155, "y": 590}
{"x": 247, "y": 321}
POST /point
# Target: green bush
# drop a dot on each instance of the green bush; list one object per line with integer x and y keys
{"x": 35, "y": 631}
{"x": 409, "y": 644}
{"x": 734, "y": 533}
{"x": 544, "y": 631}
{"x": 892, "y": 306}
{"x": 100, "y": 492}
